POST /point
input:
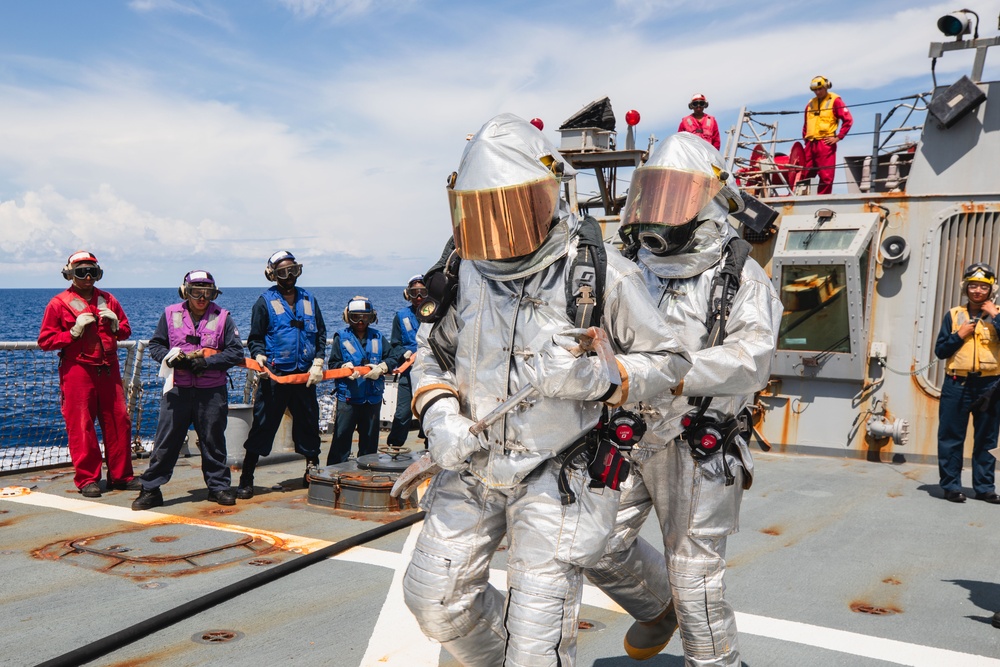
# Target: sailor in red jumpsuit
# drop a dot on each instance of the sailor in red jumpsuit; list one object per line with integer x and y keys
{"x": 823, "y": 113}
{"x": 701, "y": 123}
{"x": 85, "y": 324}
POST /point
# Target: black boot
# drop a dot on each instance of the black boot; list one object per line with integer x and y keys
{"x": 245, "y": 489}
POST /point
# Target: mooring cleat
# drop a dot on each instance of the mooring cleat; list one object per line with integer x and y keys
{"x": 644, "y": 640}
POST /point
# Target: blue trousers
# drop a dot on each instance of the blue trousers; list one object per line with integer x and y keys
{"x": 269, "y": 407}
{"x": 957, "y": 396}
{"x": 208, "y": 410}
{"x": 350, "y": 416}
{"x": 404, "y": 415}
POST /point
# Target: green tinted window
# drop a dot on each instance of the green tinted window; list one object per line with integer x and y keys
{"x": 815, "y": 309}
{"x": 820, "y": 239}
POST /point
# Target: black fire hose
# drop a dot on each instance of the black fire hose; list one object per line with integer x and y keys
{"x": 115, "y": 641}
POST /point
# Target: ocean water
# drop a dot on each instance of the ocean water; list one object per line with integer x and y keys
{"x": 29, "y": 390}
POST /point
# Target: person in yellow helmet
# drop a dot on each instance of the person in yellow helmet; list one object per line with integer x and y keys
{"x": 823, "y": 114}
{"x": 968, "y": 340}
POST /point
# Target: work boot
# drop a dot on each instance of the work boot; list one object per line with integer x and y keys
{"x": 245, "y": 490}
{"x": 990, "y": 497}
{"x": 131, "y": 485}
{"x": 954, "y": 496}
{"x": 645, "y": 639}
{"x": 148, "y": 499}
{"x": 996, "y": 620}
{"x": 91, "y": 490}
{"x": 223, "y": 497}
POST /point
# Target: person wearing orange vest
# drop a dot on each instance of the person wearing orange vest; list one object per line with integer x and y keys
{"x": 969, "y": 341}
{"x": 85, "y": 324}
{"x": 823, "y": 113}
{"x": 701, "y": 123}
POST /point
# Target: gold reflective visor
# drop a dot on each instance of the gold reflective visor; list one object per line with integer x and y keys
{"x": 502, "y": 223}
{"x": 664, "y": 196}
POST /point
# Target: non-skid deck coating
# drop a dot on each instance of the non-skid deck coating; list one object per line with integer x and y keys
{"x": 820, "y": 537}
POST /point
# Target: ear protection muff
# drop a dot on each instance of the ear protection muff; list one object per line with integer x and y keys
{"x": 820, "y": 81}
{"x": 78, "y": 257}
{"x": 269, "y": 274}
{"x": 372, "y": 311}
{"x": 279, "y": 256}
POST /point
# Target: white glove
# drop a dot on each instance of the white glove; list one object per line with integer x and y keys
{"x": 376, "y": 371}
{"x": 407, "y": 354}
{"x": 448, "y": 437}
{"x": 353, "y": 376}
{"x": 82, "y": 320}
{"x": 109, "y": 315}
{"x": 315, "y": 373}
{"x": 557, "y": 372}
{"x": 262, "y": 360}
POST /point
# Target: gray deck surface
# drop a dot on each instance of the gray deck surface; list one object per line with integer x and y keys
{"x": 818, "y": 535}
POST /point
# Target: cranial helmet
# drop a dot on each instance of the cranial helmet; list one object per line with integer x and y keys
{"x": 274, "y": 260}
{"x": 81, "y": 257}
{"x": 197, "y": 277}
{"x": 360, "y": 305}
{"x": 697, "y": 97}
{"x": 820, "y": 82}
{"x": 681, "y": 185}
{"x": 419, "y": 278}
{"x": 505, "y": 195}
{"x": 980, "y": 272}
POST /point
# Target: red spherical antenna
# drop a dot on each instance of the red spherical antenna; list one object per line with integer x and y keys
{"x": 537, "y": 122}
{"x": 632, "y": 117}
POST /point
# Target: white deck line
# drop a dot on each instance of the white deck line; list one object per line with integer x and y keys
{"x": 395, "y": 622}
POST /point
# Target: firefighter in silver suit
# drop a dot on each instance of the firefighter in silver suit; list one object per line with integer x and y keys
{"x": 676, "y": 212}
{"x": 506, "y": 329}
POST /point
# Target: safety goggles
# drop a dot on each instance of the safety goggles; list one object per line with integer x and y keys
{"x": 982, "y": 273}
{"x": 286, "y": 272}
{"x": 417, "y": 292}
{"x": 83, "y": 272}
{"x": 503, "y": 223}
{"x": 209, "y": 293}
{"x": 358, "y": 318}
{"x": 699, "y": 104}
{"x": 667, "y": 196}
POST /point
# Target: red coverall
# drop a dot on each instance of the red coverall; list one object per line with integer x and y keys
{"x": 706, "y": 128}
{"x": 821, "y": 157}
{"x": 90, "y": 382}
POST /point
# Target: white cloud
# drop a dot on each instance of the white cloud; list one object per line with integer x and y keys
{"x": 330, "y": 8}
{"x": 206, "y": 11}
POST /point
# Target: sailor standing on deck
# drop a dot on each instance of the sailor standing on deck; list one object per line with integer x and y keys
{"x": 969, "y": 341}
{"x": 359, "y": 397}
{"x": 85, "y": 324}
{"x": 819, "y": 129}
{"x": 402, "y": 345}
{"x": 700, "y": 123}
{"x": 287, "y": 335}
{"x": 198, "y": 341}
{"x": 509, "y": 330}
{"x": 676, "y": 218}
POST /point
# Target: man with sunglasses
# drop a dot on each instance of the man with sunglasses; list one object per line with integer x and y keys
{"x": 359, "y": 397}
{"x": 403, "y": 344}
{"x": 968, "y": 339}
{"x": 823, "y": 113}
{"x": 700, "y": 123}
{"x": 85, "y": 324}
{"x": 693, "y": 463}
{"x": 196, "y": 342}
{"x": 288, "y": 336}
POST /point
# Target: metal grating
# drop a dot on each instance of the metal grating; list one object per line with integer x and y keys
{"x": 966, "y": 238}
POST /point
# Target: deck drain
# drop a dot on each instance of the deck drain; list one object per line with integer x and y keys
{"x": 220, "y": 511}
{"x": 216, "y": 636}
{"x": 153, "y": 584}
{"x": 164, "y": 538}
{"x": 862, "y": 608}
{"x": 259, "y": 562}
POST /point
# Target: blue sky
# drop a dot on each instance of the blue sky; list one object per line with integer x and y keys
{"x": 167, "y": 135}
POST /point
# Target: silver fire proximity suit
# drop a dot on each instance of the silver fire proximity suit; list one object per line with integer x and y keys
{"x": 505, "y": 481}
{"x": 696, "y": 509}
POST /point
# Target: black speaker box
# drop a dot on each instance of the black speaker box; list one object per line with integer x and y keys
{"x": 959, "y": 100}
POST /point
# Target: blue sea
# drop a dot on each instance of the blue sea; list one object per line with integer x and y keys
{"x": 29, "y": 393}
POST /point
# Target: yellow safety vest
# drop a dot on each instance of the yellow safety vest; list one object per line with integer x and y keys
{"x": 820, "y": 121}
{"x": 979, "y": 352}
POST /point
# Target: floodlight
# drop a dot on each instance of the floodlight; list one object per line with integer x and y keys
{"x": 955, "y": 24}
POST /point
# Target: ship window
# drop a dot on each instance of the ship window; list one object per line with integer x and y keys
{"x": 820, "y": 239}
{"x": 815, "y": 314}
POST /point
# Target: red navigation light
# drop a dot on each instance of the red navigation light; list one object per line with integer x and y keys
{"x": 632, "y": 117}
{"x": 537, "y": 122}
{"x": 708, "y": 441}
{"x": 624, "y": 433}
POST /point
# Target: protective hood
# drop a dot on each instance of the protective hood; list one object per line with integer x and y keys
{"x": 505, "y": 195}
